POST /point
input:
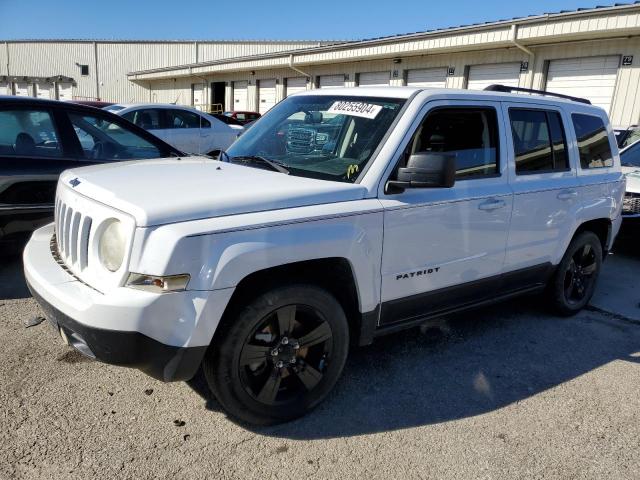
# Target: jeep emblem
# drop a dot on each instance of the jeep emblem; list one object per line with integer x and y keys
{"x": 75, "y": 182}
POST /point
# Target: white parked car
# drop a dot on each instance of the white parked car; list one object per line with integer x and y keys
{"x": 340, "y": 216}
{"x": 630, "y": 160}
{"x": 185, "y": 128}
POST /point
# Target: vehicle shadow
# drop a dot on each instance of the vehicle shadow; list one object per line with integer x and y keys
{"x": 12, "y": 283}
{"x": 467, "y": 365}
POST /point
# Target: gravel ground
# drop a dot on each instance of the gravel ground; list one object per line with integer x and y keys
{"x": 506, "y": 392}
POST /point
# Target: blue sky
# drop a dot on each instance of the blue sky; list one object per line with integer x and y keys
{"x": 250, "y": 19}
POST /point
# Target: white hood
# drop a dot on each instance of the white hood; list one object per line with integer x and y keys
{"x": 633, "y": 178}
{"x": 163, "y": 191}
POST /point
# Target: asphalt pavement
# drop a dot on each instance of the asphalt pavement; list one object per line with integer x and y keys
{"x": 505, "y": 392}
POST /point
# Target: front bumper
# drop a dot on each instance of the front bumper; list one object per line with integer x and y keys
{"x": 127, "y": 349}
{"x": 164, "y": 335}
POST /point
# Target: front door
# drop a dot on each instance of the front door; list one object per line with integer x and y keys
{"x": 445, "y": 247}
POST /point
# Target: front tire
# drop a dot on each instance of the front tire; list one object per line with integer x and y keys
{"x": 574, "y": 282}
{"x": 280, "y": 356}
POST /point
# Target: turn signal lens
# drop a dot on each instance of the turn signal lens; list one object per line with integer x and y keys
{"x": 155, "y": 284}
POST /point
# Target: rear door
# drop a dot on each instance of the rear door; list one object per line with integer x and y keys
{"x": 186, "y": 132}
{"x": 33, "y": 153}
{"x": 545, "y": 186}
{"x": 152, "y": 120}
{"x": 445, "y": 247}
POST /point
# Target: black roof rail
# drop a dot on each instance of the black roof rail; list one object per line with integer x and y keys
{"x": 508, "y": 89}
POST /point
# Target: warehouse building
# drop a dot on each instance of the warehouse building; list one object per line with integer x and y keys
{"x": 592, "y": 53}
{"x": 97, "y": 69}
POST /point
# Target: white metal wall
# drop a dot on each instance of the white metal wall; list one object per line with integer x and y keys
{"x": 625, "y": 106}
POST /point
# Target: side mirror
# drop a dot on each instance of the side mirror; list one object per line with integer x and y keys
{"x": 425, "y": 170}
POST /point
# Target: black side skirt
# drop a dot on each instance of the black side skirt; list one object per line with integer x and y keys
{"x": 409, "y": 311}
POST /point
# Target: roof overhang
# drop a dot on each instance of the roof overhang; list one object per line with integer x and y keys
{"x": 585, "y": 24}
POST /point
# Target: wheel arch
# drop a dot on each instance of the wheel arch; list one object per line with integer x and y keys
{"x": 334, "y": 274}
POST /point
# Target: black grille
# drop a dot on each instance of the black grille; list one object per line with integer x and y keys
{"x": 631, "y": 204}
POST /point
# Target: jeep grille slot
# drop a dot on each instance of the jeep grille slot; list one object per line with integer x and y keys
{"x": 72, "y": 229}
{"x": 631, "y": 203}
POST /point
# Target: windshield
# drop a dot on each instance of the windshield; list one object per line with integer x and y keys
{"x": 631, "y": 156}
{"x": 114, "y": 108}
{"x": 632, "y": 137}
{"x": 317, "y": 136}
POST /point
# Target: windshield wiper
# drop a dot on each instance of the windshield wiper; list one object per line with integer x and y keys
{"x": 276, "y": 166}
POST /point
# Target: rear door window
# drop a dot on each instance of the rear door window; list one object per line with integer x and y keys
{"x": 539, "y": 141}
{"x": 185, "y": 119}
{"x": 593, "y": 141}
{"x": 148, "y": 118}
{"x": 28, "y": 133}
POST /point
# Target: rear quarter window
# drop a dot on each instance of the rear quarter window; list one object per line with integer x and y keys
{"x": 593, "y": 141}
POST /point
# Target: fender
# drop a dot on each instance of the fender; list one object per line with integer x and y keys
{"x": 219, "y": 261}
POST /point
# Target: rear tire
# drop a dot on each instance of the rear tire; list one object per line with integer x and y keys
{"x": 575, "y": 279}
{"x": 279, "y": 356}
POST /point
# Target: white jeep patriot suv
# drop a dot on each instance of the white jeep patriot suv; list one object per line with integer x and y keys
{"x": 340, "y": 216}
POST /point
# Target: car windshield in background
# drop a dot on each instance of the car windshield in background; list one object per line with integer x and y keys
{"x": 631, "y": 156}
{"x": 632, "y": 136}
{"x": 328, "y": 137}
{"x": 114, "y": 108}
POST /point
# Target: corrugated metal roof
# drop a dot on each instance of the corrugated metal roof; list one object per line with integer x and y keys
{"x": 506, "y": 20}
{"x": 116, "y": 40}
{"x": 395, "y": 37}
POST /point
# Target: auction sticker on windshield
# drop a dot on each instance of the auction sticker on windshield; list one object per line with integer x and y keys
{"x": 355, "y": 109}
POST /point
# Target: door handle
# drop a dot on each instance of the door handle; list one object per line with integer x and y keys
{"x": 492, "y": 204}
{"x": 567, "y": 194}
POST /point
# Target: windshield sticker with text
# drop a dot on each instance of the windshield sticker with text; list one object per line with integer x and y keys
{"x": 356, "y": 109}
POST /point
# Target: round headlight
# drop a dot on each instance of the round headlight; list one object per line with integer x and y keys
{"x": 112, "y": 245}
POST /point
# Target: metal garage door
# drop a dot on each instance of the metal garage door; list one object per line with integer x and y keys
{"x": 23, "y": 89}
{"x": 44, "y": 90}
{"x": 266, "y": 95}
{"x": 481, "y": 76}
{"x": 427, "y": 77}
{"x": 65, "y": 91}
{"x": 374, "y": 79}
{"x": 591, "y": 77}
{"x": 295, "y": 85}
{"x": 239, "y": 96}
{"x": 329, "y": 81}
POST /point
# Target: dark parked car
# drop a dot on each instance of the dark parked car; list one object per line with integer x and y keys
{"x": 226, "y": 119}
{"x": 41, "y": 138}
{"x": 243, "y": 117}
{"x": 94, "y": 103}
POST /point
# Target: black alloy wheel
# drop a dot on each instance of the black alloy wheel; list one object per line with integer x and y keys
{"x": 279, "y": 355}
{"x": 286, "y": 356}
{"x": 580, "y": 274}
{"x": 575, "y": 279}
